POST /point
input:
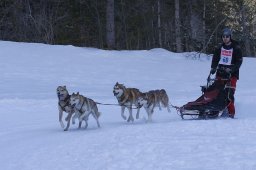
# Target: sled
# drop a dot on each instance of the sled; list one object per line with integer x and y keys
{"x": 212, "y": 103}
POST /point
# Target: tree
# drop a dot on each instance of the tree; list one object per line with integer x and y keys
{"x": 177, "y": 26}
{"x": 159, "y": 23}
{"x": 197, "y": 23}
{"x": 110, "y": 24}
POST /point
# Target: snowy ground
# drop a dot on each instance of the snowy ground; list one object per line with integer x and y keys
{"x": 32, "y": 139}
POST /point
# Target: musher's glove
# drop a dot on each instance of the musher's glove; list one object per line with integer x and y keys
{"x": 228, "y": 70}
{"x": 213, "y": 70}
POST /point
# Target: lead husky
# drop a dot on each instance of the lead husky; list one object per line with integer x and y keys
{"x": 152, "y": 99}
{"x": 64, "y": 105}
{"x": 83, "y": 108}
{"x": 126, "y": 97}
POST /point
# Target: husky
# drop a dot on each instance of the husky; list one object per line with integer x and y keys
{"x": 64, "y": 105}
{"x": 83, "y": 108}
{"x": 152, "y": 99}
{"x": 126, "y": 97}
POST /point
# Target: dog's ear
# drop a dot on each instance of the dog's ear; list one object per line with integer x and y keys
{"x": 73, "y": 93}
{"x": 65, "y": 87}
{"x": 77, "y": 93}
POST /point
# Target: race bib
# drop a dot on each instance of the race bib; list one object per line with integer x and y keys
{"x": 226, "y": 56}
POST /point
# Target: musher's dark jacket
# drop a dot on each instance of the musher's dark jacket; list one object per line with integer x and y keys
{"x": 236, "y": 61}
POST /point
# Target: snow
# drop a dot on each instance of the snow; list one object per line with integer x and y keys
{"x": 31, "y": 137}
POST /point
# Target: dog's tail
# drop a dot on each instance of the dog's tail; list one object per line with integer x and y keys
{"x": 164, "y": 98}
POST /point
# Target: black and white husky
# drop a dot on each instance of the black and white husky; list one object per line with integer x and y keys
{"x": 64, "y": 105}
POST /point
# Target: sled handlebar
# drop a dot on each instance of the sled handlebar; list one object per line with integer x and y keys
{"x": 209, "y": 79}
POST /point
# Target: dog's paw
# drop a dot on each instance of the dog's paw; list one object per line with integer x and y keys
{"x": 124, "y": 117}
{"x": 65, "y": 129}
{"x": 130, "y": 119}
{"x": 62, "y": 124}
{"x": 149, "y": 120}
{"x": 137, "y": 116}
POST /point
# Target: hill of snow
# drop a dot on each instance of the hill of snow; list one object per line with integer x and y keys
{"x": 32, "y": 139}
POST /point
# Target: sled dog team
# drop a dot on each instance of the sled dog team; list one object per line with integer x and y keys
{"x": 81, "y": 107}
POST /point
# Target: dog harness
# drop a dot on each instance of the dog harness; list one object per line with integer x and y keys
{"x": 88, "y": 105}
{"x": 66, "y": 100}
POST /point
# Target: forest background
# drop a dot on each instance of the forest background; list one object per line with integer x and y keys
{"x": 176, "y": 25}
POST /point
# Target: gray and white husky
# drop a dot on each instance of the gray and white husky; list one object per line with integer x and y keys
{"x": 83, "y": 108}
{"x": 152, "y": 99}
{"x": 64, "y": 105}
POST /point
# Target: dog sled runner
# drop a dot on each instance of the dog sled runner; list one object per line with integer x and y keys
{"x": 213, "y": 102}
